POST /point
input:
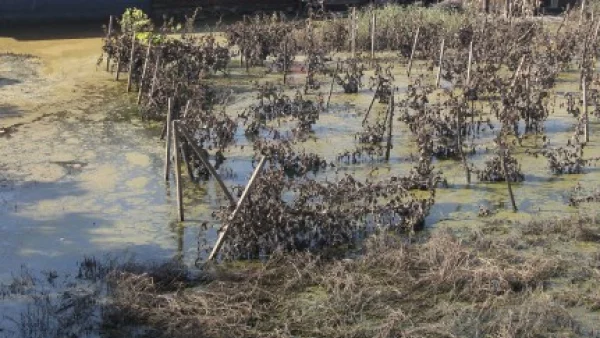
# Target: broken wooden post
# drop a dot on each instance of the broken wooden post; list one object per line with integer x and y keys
{"x": 245, "y": 194}
{"x": 390, "y": 126}
{"x": 131, "y": 59}
{"x": 373, "y": 31}
{"x": 371, "y": 104}
{"x": 168, "y": 138}
{"x": 439, "y": 74}
{"x": 469, "y": 63}
{"x": 177, "y": 165}
{"x": 412, "y": 53}
{"x": 144, "y": 71}
{"x": 200, "y": 153}
{"x": 507, "y": 178}
{"x": 109, "y": 33}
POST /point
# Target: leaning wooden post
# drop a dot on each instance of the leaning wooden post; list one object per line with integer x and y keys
{"x": 245, "y": 194}
{"x": 390, "y": 126}
{"x": 507, "y": 178}
{"x": 200, "y": 153}
{"x": 118, "y": 63}
{"x": 144, "y": 71}
{"x": 109, "y": 33}
{"x": 168, "y": 138}
{"x": 371, "y": 104}
{"x": 439, "y": 74}
{"x": 331, "y": 86}
{"x": 412, "y": 53}
{"x": 154, "y": 76}
{"x": 517, "y": 71}
{"x": 585, "y": 110}
{"x": 373, "y": 31}
{"x": 469, "y": 63}
{"x": 177, "y": 165}
{"x": 131, "y": 57}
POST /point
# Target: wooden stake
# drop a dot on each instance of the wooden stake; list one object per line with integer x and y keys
{"x": 582, "y": 14}
{"x": 153, "y": 85}
{"x": 177, "y": 165}
{"x": 109, "y": 33}
{"x": 469, "y": 63}
{"x": 118, "y": 65}
{"x": 585, "y": 110}
{"x": 131, "y": 57}
{"x": 186, "y": 161}
{"x": 459, "y": 145}
{"x": 144, "y": 71}
{"x": 439, "y": 75}
{"x": 245, "y": 194}
{"x": 517, "y": 71}
{"x": 510, "y": 192}
{"x": 285, "y": 61}
{"x": 200, "y": 153}
{"x": 331, "y": 86}
{"x": 168, "y": 139}
{"x": 373, "y": 31}
{"x": 353, "y": 33}
{"x": 390, "y": 127}
{"x": 412, "y": 53}
{"x": 371, "y": 104}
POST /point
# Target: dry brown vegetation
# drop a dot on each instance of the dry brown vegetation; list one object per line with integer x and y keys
{"x": 492, "y": 282}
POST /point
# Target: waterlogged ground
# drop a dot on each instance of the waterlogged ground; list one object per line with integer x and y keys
{"x": 82, "y": 175}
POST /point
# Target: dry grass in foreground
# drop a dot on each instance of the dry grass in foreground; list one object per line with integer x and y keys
{"x": 499, "y": 281}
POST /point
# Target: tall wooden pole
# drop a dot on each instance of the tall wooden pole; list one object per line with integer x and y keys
{"x": 131, "y": 59}
{"x": 412, "y": 53}
{"x": 390, "y": 126}
{"x": 585, "y": 110}
{"x": 144, "y": 71}
{"x": 439, "y": 74}
{"x": 154, "y": 78}
{"x": 353, "y": 33}
{"x": 177, "y": 165}
{"x": 373, "y": 31}
{"x": 168, "y": 139}
{"x": 109, "y": 33}
{"x": 285, "y": 60}
{"x": 245, "y": 194}
{"x": 510, "y": 191}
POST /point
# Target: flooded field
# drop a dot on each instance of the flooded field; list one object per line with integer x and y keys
{"x": 81, "y": 174}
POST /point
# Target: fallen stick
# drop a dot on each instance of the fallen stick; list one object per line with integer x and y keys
{"x": 245, "y": 194}
{"x": 517, "y": 71}
{"x": 168, "y": 139}
{"x": 199, "y": 152}
{"x": 412, "y": 53}
{"x": 177, "y": 165}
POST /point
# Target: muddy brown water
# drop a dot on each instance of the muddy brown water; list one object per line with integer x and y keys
{"x": 81, "y": 174}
